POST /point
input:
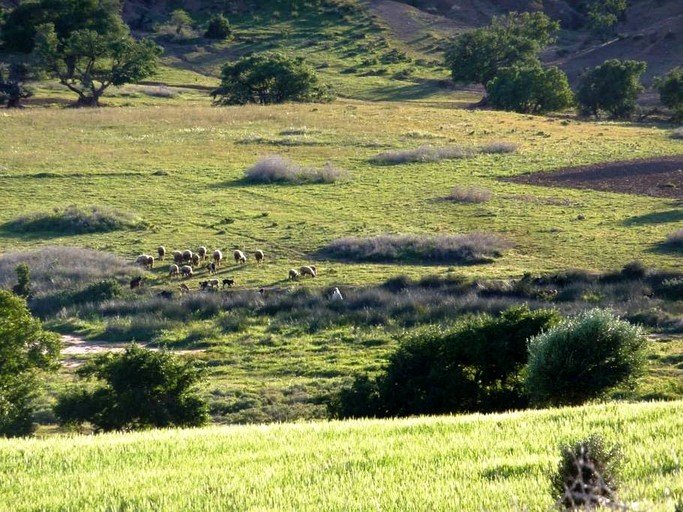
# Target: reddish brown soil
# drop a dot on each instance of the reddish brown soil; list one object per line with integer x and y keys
{"x": 658, "y": 177}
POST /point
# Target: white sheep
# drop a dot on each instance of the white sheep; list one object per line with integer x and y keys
{"x": 173, "y": 270}
{"x": 258, "y": 255}
{"x": 217, "y": 257}
{"x": 307, "y": 271}
{"x": 161, "y": 250}
{"x": 293, "y": 274}
{"x": 201, "y": 251}
{"x": 145, "y": 260}
{"x": 186, "y": 271}
{"x": 239, "y": 256}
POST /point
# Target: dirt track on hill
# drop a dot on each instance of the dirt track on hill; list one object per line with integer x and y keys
{"x": 657, "y": 177}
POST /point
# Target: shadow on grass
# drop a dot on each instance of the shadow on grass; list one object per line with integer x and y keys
{"x": 655, "y": 218}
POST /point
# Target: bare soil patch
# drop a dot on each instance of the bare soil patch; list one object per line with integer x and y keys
{"x": 657, "y": 177}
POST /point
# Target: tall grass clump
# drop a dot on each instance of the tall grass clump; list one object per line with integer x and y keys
{"x": 467, "y": 249}
{"x": 427, "y": 153}
{"x": 586, "y": 475}
{"x": 74, "y": 220}
{"x": 469, "y": 195}
{"x": 677, "y": 134}
{"x": 675, "y": 239}
{"x": 56, "y": 269}
{"x": 583, "y": 357}
{"x": 278, "y": 169}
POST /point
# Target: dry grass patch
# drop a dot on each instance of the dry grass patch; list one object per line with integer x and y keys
{"x": 461, "y": 194}
{"x": 427, "y": 153}
{"x": 277, "y": 169}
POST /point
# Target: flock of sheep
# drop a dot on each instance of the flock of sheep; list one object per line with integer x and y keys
{"x": 185, "y": 262}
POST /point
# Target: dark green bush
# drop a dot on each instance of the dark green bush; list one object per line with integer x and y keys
{"x": 612, "y": 87}
{"x": 586, "y": 474}
{"x": 73, "y": 220}
{"x": 97, "y": 292}
{"x": 23, "y": 286}
{"x": 474, "y": 365}
{"x": 218, "y": 28}
{"x": 583, "y": 357}
{"x": 141, "y": 389}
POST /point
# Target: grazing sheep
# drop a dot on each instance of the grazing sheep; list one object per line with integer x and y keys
{"x": 314, "y": 269}
{"x": 211, "y": 283}
{"x": 184, "y": 288}
{"x": 217, "y": 257}
{"x": 136, "y": 282}
{"x": 161, "y": 250}
{"x": 173, "y": 270}
{"x": 201, "y": 251}
{"x": 145, "y": 260}
{"x": 239, "y": 256}
{"x": 211, "y": 267}
{"x": 259, "y": 256}
{"x": 293, "y": 274}
{"x": 186, "y": 271}
{"x": 228, "y": 282}
{"x": 336, "y": 295}
{"x": 187, "y": 256}
{"x": 177, "y": 257}
{"x": 195, "y": 259}
{"x": 307, "y": 271}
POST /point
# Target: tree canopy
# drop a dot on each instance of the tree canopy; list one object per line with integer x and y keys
{"x": 25, "y": 348}
{"x": 140, "y": 388}
{"x": 268, "y": 78}
{"x": 515, "y": 39}
{"x": 612, "y": 87}
{"x": 670, "y": 88}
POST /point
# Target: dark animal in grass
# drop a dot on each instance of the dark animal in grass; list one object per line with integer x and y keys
{"x": 239, "y": 256}
{"x": 161, "y": 250}
{"x": 211, "y": 267}
{"x": 136, "y": 282}
{"x": 195, "y": 259}
{"x": 186, "y": 271}
{"x": 201, "y": 252}
{"x": 173, "y": 270}
{"x": 211, "y": 283}
{"x": 165, "y": 294}
{"x": 228, "y": 282}
{"x": 258, "y": 255}
{"x": 177, "y": 257}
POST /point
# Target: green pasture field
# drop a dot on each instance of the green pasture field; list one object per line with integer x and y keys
{"x": 474, "y": 462}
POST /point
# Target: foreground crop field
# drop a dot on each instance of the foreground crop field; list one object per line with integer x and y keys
{"x": 496, "y": 462}
{"x": 181, "y": 169}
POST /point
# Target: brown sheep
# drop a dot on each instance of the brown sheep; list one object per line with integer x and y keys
{"x": 201, "y": 251}
{"x": 177, "y": 257}
{"x": 217, "y": 257}
{"x": 239, "y": 256}
{"x": 186, "y": 271}
{"x": 258, "y": 255}
{"x": 307, "y": 271}
{"x": 184, "y": 288}
{"x": 161, "y": 250}
{"x": 195, "y": 259}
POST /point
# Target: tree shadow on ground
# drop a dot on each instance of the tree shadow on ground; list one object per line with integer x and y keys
{"x": 656, "y": 218}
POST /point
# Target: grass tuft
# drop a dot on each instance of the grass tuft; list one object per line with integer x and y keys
{"x": 277, "y": 169}
{"x": 675, "y": 239}
{"x": 677, "y": 134}
{"x": 469, "y": 195}
{"x": 427, "y": 153}
{"x": 446, "y": 249}
{"x": 74, "y": 220}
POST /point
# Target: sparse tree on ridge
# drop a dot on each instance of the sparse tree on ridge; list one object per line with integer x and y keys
{"x": 611, "y": 87}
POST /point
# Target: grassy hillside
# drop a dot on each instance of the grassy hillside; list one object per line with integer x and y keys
{"x": 496, "y": 462}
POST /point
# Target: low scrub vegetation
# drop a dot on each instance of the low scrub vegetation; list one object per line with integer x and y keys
{"x": 469, "y": 195}
{"x": 675, "y": 239}
{"x": 677, "y": 134}
{"x": 277, "y": 169}
{"x": 427, "y": 153}
{"x": 440, "y": 249}
{"x": 74, "y": 220}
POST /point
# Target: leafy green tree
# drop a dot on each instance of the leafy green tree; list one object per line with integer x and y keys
{"x": 269, "y": 78}
{"x": 582, "y": 357}
{"x": 141, "y": 389}
{"x": 180, "y": 19}
{"x": 603, "y": 16}
{"x": 670, "y": 88}
{"x": 25, "y": 349}
{"x": 21, "y": 26}
{"x": 23, "y": 286}
{"x": 612, "y": 87}
{"x": 13, "y": 88}
{"x": 218, "y": 28}
{"x": 530, "y": 89}
{"x": 515, "y": 39}
{"x": 88, "y": 62}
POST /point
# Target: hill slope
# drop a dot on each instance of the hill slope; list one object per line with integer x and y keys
{"x": 496, "y": 462}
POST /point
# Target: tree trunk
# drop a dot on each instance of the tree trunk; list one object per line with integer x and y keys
{"x": 88, "y": 101}
{"x": 14, "y": 102}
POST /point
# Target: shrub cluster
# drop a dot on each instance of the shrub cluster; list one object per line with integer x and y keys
{"x": 278, "y": 169}
{"x": 74, "y": 220}
{"x": 445, "y": 249}
{"x": 427, "y": 153}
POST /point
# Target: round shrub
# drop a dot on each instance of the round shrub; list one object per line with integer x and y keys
{"x": 218, "y": 28}
{"x": 582, "y": 357}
